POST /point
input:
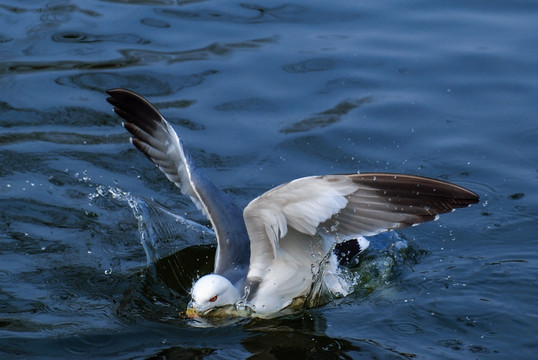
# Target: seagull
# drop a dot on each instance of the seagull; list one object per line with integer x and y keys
{"x": 272, "y": 255}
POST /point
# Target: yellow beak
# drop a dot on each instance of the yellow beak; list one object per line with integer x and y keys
{"x": 192, "y": 313}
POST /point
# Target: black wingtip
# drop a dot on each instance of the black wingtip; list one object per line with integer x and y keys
{"x": 111, "y": 92}
{"x": 118, "y": 95}
{"x": 133, "y": 107}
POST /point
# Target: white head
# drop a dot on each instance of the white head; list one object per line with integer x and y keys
{"x": 211, "y": 291}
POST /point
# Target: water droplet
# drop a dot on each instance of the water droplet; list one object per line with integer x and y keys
{"x": 108, "y": 271}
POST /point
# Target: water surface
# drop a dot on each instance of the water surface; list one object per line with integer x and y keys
{"x": 262, "y": 93}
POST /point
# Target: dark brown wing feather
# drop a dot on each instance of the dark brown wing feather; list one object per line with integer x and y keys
{"x": 393, "y": 201}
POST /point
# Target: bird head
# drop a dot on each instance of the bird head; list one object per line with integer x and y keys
{"x": 210, "y": 292}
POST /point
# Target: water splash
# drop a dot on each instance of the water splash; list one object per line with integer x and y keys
{"x": 371, "y": 270}
{"x": 162, "y": 233}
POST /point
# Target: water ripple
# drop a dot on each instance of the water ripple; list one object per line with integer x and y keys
{"x": 156, "y": 23}
{"x": 78, "y": 345}
{"x": 5, "y": 38}
{"x": 249, "y": 104}
{"x": 327, "y": 117}
{"x": 346, "y": 83}
{"x": 134, "y": 57}
{"x": 150, "y": 84}
{"x": 318, "y": 64}
{"x": 81, "y": 38}
{"x": 211, "y": 51}
{"x": 406, "y": 328}
{"x": 4, "y": 274}
{"x": 254, "y": 13}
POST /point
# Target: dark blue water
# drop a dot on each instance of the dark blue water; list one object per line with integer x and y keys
{"x": 262, "y": 93}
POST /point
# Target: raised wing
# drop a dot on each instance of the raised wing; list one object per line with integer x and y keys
{"x": 346, "y": 206}
{"x": 153, "y": 136}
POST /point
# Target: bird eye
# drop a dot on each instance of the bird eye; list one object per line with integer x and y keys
{"x": 214, "y": 298}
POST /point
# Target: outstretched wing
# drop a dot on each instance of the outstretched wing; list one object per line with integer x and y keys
{"x": 153, "y": 136}
{"x": 345, "y": 206}
{"x": 393, "y": 201}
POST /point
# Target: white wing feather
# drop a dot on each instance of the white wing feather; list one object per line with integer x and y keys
{"x": 302, "y": 204}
